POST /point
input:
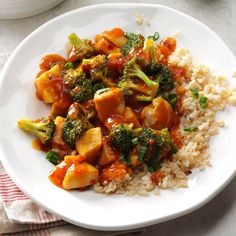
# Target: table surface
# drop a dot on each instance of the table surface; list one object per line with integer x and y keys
{"x": 218, "y": 216}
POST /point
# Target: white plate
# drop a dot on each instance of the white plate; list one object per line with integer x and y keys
{"x": 29, "y": 168}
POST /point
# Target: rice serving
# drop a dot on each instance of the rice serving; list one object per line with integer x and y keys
{"x": 195, "y": 149}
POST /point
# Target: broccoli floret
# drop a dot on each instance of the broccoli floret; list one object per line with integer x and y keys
{"x": 43, "y": 128}
{"x": 94, "y": 62}
{"x": 153, "y": 146}
{"x": 83, "y": 90}
{"x": 53, "y": 157}
{"x": 80, "y": 48}
{"x": 122, "y": 138}
{"x": 74, "y": 128}
{"x": 134, "y": 41}
{"x": 71, "y": 76}
{"x": 98, "y": 70}
{"x": 162, "y": 74}
{"x": 133, "y": 70}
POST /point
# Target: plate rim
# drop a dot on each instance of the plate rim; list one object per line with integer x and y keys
{"x": 87, "y": 225}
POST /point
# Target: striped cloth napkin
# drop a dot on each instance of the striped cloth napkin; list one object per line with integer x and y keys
{"x": 20, "y": 216}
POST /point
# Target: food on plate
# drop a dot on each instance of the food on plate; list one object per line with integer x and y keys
{"x": 129, "y": 114}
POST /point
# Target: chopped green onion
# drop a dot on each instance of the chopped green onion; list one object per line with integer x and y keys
{"x": 125, "y": 159}
{"x": 202, "y": 102}
{"x": 141, "y": 153}
{"x": 98, "y": 86}
{"x": 53, "y": 157}
{"x": 100, "y": 91}
{"x": 154, "y": 37}
{"x": 152, "y": 169}
{"x": 174, "y": 148}
{"x": 172, "y": 99}
{"x": 194, "y": 92}
{"x": 191, "y": 129}
{"x": 69, "y": 65}
{"x": 135, "y": 141}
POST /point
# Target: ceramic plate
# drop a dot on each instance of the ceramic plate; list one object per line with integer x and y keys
{"x": 29, "y": 168}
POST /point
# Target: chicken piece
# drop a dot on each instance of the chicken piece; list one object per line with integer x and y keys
{"x": 108, "y": 154}
{"x": 115, "y": 36}
{"x": 57, "y": 141}
{"x": 158, "y": 115}
{"x": 89, "y": 144}
{"x": 103, "y": 46}
{"x": 56, "y": 176}
{"x": 44, "y": 88}
{"x": 109, "y": 102}
{"x": 80, "y": 175}
{"x": 131, "y": 117}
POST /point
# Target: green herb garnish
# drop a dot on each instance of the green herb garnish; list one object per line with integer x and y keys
{"x": 69, "y": 65}
{"x": 98, "y": 86}
{"x": 203, "y": 101}
{"x": 141, "y": 153}
{"x": 53, "y": 157}
{"x": 154, "y": 37}
{"x": 191, "y": 129}
{"x": 194, "y": 92}
{"x": 172, "y": 99}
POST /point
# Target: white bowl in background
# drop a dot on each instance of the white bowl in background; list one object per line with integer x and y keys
{"x": 15, "y": 9}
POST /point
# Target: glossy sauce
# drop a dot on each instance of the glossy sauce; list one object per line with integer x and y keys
{"x": 156, "y": 177}
{"x": 48, "y": 61}
{"x": 38, "y": 145}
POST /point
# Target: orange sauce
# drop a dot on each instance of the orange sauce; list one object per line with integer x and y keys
{"x": 56, "y": 176}
{"x": 114, "y": 120}
{"x": 49, "y": 60}
{"x": 38, "y": 145}
{"x": 156, "y": 177}
{"x": 115, "y": 171}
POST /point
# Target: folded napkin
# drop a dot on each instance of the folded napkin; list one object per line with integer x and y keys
{"x": 19, "y": 215}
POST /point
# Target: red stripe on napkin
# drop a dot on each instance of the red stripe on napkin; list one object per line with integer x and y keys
{"x": 9, "y": 191}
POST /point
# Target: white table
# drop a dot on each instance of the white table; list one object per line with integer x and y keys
{"x": 218, "y": 216}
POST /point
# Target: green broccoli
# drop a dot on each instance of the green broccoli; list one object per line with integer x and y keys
{"x": 98, "y": 70}
{"x": 83, "y": 90}
{"x": 123, "y": 139}
{"x": 162, "y": 74}
{"x": 43, "y": 128}
{"x": 132, "y": 70}
{"x": 53, "y": 157}
{"x": 80, "y": 48}
{"x": 71, "y": 76}
{"x": 154, "y": 145}
{"x": 94, "y": 62}
{"x": 134, "y": 41}
{"x": 74, "y": 128}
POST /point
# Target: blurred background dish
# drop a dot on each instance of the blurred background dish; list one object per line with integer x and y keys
{"x": 15, "y": 9}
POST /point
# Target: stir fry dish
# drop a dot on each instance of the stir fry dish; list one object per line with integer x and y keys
{"x": 117, "y": 103}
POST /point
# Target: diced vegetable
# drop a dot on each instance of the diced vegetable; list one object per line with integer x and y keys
{"x": 90, "y": 143}
{"x": 79, "y": 176}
